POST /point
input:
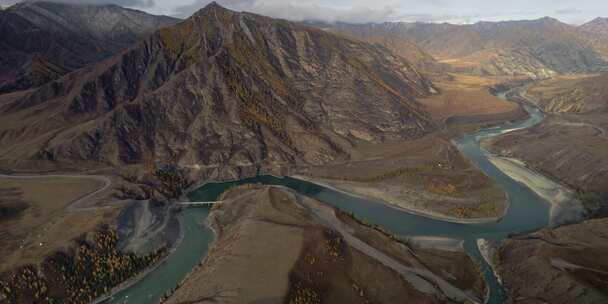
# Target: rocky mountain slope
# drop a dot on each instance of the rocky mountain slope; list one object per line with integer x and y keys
{"x": 389, "y": 36}
{"x": 41, "y": 41}
{"x": 596, "y": 32}
{"x": 221, "y": 89}
{"x": 582, "y": 95}
{"x": 598, "y": 25}
{"x": 535, "y": 48}
{"x": 563, "y": 265}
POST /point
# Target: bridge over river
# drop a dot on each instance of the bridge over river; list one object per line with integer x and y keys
{"x": 200, "y": 204}
{"x": 527, "y": 212}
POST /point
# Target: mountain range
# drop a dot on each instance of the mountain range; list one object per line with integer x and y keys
{"x": 598, "y": 25}
{"x": 42, "y": 41}
{"x": 396, "y": 41}
{"x": 221, "y": 89}
{"x": 230, "y": 89}
{"x": 534, "y": 48}
{"x": 109, "y": 116}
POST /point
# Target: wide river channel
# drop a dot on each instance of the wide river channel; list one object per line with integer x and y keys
{"x": 526, "y": 212}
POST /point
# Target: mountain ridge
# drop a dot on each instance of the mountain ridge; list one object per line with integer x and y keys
{"x": 41, "y": 41}
{"x": 222, "y": 89}
{"x": 536, "y": 48}
{"x": 382, "y": 35}
{"x": 599, "y": 24}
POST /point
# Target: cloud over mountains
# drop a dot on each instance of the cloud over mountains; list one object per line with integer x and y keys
{"x": 364, "y": 11}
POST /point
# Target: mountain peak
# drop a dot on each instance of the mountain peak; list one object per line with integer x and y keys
{"x": 599, "y": 19}
{"x": 68, "y": 36}
{"x": 213, "y": 6}
{"x": 598, "y": 25}
{"x": 247, "y": 93}
{"x": 551, "y": 20}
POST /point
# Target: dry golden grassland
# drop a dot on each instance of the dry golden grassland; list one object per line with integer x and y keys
{"x": 467, "y": 95}
{"x": 431, "y": 167}
{"x": 44, "y": 226}
{"x": 557, "y": 85}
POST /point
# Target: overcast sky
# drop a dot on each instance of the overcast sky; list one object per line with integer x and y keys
{"x": 361, "y": 11}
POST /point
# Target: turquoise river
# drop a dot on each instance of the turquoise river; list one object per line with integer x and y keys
{"x": 526, "y": 212}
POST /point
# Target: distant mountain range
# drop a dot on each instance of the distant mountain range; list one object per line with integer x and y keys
{"x": 588, "y": 95}
{"x": 535, "y": 48}
{"x": 596, "y": 32}
{"x": 598, "y": 25}
{"x": 41, "y": 41}
{"x": 221, "y": 89}
{"x": 396, "y": 41}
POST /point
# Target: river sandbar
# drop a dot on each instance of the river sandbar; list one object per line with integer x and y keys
{"x": 565, "y": 207}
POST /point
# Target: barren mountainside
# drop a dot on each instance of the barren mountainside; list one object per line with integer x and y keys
{"x": 390, "y": 37}
{"x": 537, "y": 48}
{"x": 598, "y": 25}
{"x": 221, "y": 89}
{"x": 587, "y": 95}
{"x": 41, "y": 41}
{"x": 596, "y": 32}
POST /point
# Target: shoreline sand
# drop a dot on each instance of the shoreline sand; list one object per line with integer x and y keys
{"x": 329, "y": 184}
{"x": 564, "y": 206}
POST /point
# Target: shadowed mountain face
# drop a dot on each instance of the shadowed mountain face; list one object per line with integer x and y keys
{"x": 536, "y": 48}
{"x": 221, "y": 89}
{"x": 41, "y": 41}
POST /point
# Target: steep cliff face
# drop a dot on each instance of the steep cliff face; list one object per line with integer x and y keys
{"x": 41, "y": 41}
{"x": 222, "y": 89}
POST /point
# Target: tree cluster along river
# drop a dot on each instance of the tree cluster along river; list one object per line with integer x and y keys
{"x": 526, "y": 212}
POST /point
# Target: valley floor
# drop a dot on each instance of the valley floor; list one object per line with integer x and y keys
{"x": 565, "y": 264}
{"x": 226, "y": 95}
{"x": 325, "y": 257}
{"x": 570, "y": 145}
{"x": 569, "y": 148}
{"x": 36, "y": 221}
{"x": 429, "y": 175}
